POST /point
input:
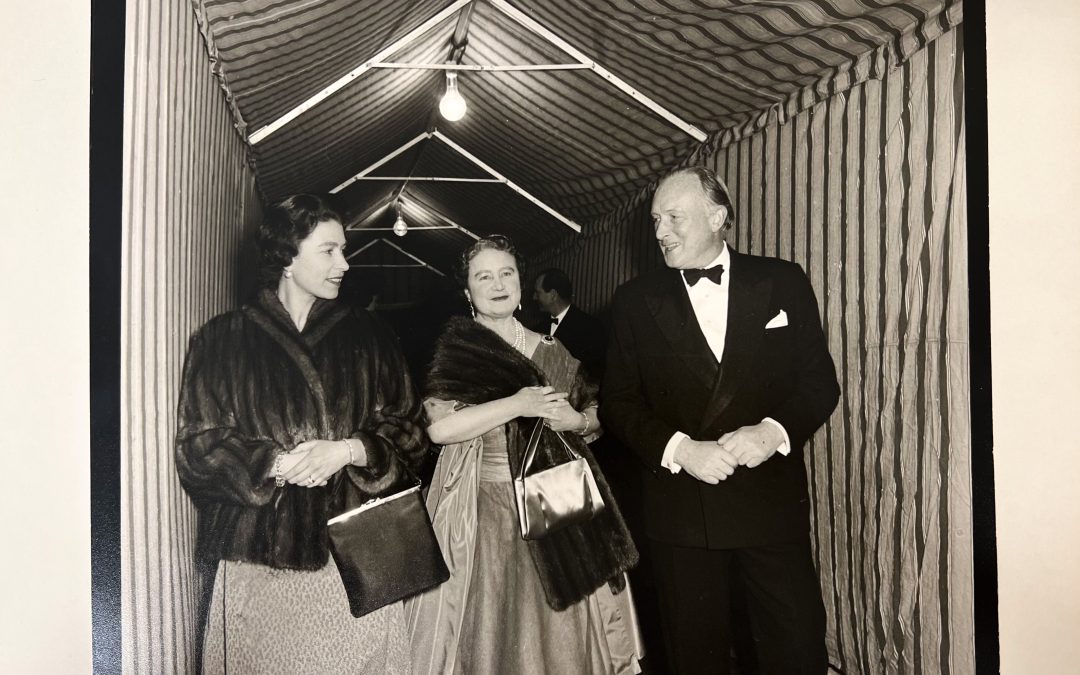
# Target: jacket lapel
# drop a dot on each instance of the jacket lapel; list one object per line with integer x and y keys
{"x": 670, "y": 306}
{"x": 268, "y": 314}
{"x": 748, "y": 304}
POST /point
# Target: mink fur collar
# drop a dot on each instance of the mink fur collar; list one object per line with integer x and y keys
{"x": 472, "y": 364}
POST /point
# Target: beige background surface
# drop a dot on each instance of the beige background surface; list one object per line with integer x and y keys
{"x": 1034, "y": 137}
{"x": 44, "y": 339}
{"x": 1034, "y": 128}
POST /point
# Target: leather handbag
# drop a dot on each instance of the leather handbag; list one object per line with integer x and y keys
{"x": 553, "y": 498}
{"x": 386, "y": 550}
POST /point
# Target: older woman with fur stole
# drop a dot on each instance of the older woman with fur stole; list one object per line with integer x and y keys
{"x": 290, "y": 405}
{"x": 558, "y": 604}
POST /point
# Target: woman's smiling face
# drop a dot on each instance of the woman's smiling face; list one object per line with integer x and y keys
{"x": 494, "y": 287}
{"x": 320, "y": 265}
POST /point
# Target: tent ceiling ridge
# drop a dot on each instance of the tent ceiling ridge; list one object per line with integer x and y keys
{"x": 483, "y": 68}
{"x": 392, "y": 244}
{"x": 539, "y": 29}
{"x": 436, "y": 179}
{"x": 583, "y": 62}
{"x": 420, "y": 206}
{"x": 509, "y": 183}
{"x": 419, "y": 137}
{"x": 345, "y": 79}
{"x": 419, "y": 262}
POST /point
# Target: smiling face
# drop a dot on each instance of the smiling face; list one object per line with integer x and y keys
{"x": 494, "y": 287}
{"x": 689, "y": 227}
{"x": 320, "y": 265}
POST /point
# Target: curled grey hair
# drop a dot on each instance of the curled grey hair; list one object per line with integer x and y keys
{"x": 495, "y": 242}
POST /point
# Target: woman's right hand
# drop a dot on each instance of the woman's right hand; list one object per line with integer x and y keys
{"x": 539, "y": 402}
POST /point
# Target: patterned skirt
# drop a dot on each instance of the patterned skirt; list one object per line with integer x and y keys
{"x": 266, "y": 620}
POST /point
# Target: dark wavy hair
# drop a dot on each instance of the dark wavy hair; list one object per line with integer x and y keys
{"x": 286, "y": 224}
{"x": 495, "y": 242}
{"x": 555, "y": 279}
{"x": 715, "y": 190}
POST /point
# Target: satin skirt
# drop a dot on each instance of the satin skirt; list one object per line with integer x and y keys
{"x": 508, "y": 627}
{"x": 491, "y": 617}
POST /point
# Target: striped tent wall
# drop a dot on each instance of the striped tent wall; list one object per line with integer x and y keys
{"x": 866, "y": 190}
{"x": 188, "y": 196}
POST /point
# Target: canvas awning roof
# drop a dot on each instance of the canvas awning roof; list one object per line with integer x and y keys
{"x": 329, "y": 89}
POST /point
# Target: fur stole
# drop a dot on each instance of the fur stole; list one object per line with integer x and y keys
{"x": 474, "y": 365}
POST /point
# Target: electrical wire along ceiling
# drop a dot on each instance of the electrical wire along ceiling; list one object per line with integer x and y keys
{"x": 568, "y": 109}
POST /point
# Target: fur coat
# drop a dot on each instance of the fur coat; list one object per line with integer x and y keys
{"x": 253, "y": 387}
{"x": 473, "y": 365}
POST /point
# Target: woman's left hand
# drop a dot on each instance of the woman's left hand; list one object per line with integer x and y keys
{"x": 565, "y": 418}
{"x": 321, "y": 459}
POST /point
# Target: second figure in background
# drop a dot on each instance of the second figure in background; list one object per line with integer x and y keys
{"x": 559, "y": 604}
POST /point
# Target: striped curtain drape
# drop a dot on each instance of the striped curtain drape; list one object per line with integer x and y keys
{"x": 866, "y": 190}
{"x": 188, "y": 196}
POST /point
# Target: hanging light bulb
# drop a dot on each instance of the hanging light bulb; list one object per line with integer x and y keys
{"x": 452, "y": 106}
{"x": 400, "y": 226}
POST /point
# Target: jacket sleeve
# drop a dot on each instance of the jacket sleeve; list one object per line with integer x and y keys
{"x": 816, "y": 391}
{"x": 395, "y": 426}
{"x": 214, "y": 460}
{"x": 624, "y": 408}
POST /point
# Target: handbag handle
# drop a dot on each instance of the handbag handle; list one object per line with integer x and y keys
{"x": 534, "y": 440}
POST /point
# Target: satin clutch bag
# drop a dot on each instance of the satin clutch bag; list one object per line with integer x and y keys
{"x": 386, "y": 550}
{"x": 554, "y": 498}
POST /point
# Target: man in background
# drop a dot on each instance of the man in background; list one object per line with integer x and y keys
{"x": 582, "y": 334}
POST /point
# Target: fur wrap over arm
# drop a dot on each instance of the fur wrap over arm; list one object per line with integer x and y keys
{"x": 474, "y": 365}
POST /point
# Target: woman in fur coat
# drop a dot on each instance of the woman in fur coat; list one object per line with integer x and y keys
{"x": 287, "y": 406}
{"x": 559, "y": 604}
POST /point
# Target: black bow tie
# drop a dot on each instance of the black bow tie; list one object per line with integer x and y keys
{"x": 713, "y": 274}
{"x": 555, "y": 320}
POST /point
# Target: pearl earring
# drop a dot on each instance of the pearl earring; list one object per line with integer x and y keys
{"x": 288, "y": 274}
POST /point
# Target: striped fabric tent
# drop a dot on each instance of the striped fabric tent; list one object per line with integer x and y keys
{"x": 837, "y": 124}
{"x": 324, "y": 91}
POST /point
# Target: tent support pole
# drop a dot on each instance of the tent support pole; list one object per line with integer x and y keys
{"x": 509, "y": 183}
{"x": 345, "y": 79}
{"x": 534, "y": 26}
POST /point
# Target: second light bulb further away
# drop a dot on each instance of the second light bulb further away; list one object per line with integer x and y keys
{"x": 452, "y": 106}
{"x": 400, "y": 226}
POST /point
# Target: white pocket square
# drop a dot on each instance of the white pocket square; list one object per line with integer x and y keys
{"x": 778, "y": 321}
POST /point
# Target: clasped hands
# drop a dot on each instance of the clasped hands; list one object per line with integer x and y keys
{"x": 549, "y": 404}
{"x": 713, "y": 461}
{"x": 312, "y": 463}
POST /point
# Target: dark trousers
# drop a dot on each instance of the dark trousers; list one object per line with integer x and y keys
{"x": 783, "y": 605}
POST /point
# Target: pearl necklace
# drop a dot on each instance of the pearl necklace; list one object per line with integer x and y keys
{"x": 519, "y": 336}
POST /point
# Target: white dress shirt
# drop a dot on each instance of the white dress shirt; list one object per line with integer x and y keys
{"x": 710, "y": 303}
{"x": 556, "y": 321}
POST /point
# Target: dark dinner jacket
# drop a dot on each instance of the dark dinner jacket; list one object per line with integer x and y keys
{"x": 584, "y": 337}
{"x": 661, "y": 377}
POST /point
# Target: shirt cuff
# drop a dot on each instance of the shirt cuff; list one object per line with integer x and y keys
{"x": 785, "y": 447}
{"x": 668, "y": 460}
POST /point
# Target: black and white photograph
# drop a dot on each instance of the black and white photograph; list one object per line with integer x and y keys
{"x": 536, "y": 337}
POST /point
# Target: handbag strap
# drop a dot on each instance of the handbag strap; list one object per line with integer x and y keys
{"x": 534, "y": 441}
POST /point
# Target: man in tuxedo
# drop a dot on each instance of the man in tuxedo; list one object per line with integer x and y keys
{"x": 717, "y": 374}
{"x": 581, "y": 333}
